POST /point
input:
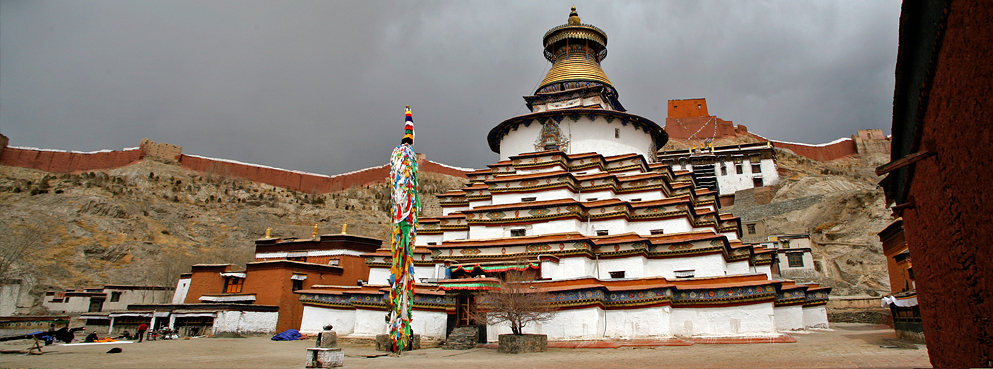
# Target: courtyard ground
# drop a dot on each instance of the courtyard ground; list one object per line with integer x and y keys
{"x": 846, "y": 345}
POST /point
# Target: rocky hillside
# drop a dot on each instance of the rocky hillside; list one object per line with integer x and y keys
{"x": 840, "y": 204}
{"x": 146, "y": 223}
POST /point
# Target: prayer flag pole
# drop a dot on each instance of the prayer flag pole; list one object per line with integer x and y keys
{"x": 405, "y": 206}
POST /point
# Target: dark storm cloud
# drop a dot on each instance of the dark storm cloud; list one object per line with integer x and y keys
{"x": 321, "y": 86}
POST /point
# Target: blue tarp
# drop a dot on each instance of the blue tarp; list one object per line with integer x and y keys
{"x": 287, "y": 335}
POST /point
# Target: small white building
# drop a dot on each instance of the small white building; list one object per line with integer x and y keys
{"x": 106, "y": 298}
{"x": 727, "y": 169}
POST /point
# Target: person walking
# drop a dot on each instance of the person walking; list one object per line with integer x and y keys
{"x": 141, "y": 331}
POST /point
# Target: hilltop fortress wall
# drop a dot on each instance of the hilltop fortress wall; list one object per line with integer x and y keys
{"x": 73, "y": 162}
{"x": 690, "y": 120}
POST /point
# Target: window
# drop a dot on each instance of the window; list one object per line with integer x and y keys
{"x": 757, "y": 182}
{"x": 751, "y": 228}
{"x": 528, "y": 199}
{"x": 591, "y": 199}
{"x": 636, "y": 199}
{"x": 656, "y": 232}
{"x": 737, "y": 169}
{"x": 297, "y": 284}
{"x": 233, "y": 284}
{"x": 602, "y": 232}
{"x": 619, "y": 274}
{"x": 518, "y": 232}
{"x": 724, "y": 169}
{"x": 297, "y": 258}
{"x": 685, "y": 273}
{"x": 617, "y": 133}
{"x": 432, "y": 243}
{"x": 66, "y": 299}
{"x": 756, "y": 168}
{"x": 910, "y": 273}
{"x": 115, "y": 296}
{"x": 795, "y": 259}
{"x": 786, "y": 244}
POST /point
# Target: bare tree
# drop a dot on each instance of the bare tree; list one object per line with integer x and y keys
{"x": 517, "y": 303}
{"x": 15, "y": 246}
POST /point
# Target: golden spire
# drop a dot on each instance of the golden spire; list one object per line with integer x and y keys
{"x": 344, "y": 228}
{"x": 268, "y": 232}
{"x": 315, "y": 231}
{"x": 574, "y": 17}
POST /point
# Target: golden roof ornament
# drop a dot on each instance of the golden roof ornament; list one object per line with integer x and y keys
{"x": 315, "y": 231}
{"x": 268, "y": 232}
{"x": 574, "y": 17}
{"x": 344, "y": 228}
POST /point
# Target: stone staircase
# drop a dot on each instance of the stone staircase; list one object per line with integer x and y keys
{"x": 462, "y": 338}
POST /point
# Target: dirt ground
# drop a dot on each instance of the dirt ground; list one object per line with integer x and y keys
{"x": 846, "y": 345}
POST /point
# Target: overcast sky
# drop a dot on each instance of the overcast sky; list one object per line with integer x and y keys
{"x": 320, "y": 86}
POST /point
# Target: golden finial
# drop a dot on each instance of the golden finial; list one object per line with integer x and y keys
{"x": 574, "y": 17}
{"x": 315, "y": 231}
{"x": 268, "y": 232}
{"x": 344, "y": 228}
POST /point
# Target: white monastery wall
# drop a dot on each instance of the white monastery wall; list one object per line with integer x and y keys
{"x": 316, "y": 317}
{"x": 369, "y": 323}
{"x": 738, "y": 267}
{"x": 638, "y": 323}
{"x": 568, "y": 267}
{"x": 423, "y": 272}
{"x": 815, "y": 317}
{"x": 755, "y": 319}
{"x": 668, "y": 226}
{"x": 633, "y": 267}
{"x": 424, "y": 239}
{"x": 477, "y": 203}
{"x": 454, "y": 235}
{"x": 584, "y": 136}
{"x": 428, "y": 323}
{"x": 733, "y": 182}
{"x": 612, "y": 226}
{"x": 583, "y": 323}
{"x": 594, "y": 195}
{"x": 182, "y": 288}
{"x": 789, "y": 318}
{"x": 643, "y": 195}
{"x": 767, "y": 269}
{"x": 703, "y": 266}
{"x": 379, "y": 275}
{"x": 246, "y": 321}
{"x": 448, "y": 210}
{"x": 515, "y": 197}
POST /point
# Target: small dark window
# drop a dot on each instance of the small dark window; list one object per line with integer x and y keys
{"x": 751, "y": 228}
{"x": 724, "y": 170}
{"x": 591, "y": 199}
{"x": 619, "y": 274}
{"x": 551, "y": 147}
{"x": 786, "y": 244}
{"x": 636, "y": 199}
{"x": 518, "y": 232}
{"x": 233, "y": 284}
{"x": 66, "y": 299}
{"x": 528, "y": 199}
{"x": 757, "y": 182}
{"x": 756, "y": 168}
{"x": 910, "y": 273}
{"x": 737, "y": 169}
{"x": 795, "y": 259}
{"x": 297, "y": 285}
{"x": 432, "y": 243}
{"x": 115, "y": 296}
{"x": 656, "y": 232}
{"x": 297, "y": 258}
{"x": 617, "y": 133}
{"x": 602, "y": 232}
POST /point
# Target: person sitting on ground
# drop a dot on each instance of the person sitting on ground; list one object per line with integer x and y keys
{"x": 125, "y": 335}
{"x": 92, "y": 337}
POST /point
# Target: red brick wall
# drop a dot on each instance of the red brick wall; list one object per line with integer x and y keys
{"x": 66, "y": 162}
{"x": 700, "y": 128}
{"x": 821, "y": 153}
{"x": 899, "y": 275}
{"x": 949, "y": 230}
{"x": 272, "y": 286}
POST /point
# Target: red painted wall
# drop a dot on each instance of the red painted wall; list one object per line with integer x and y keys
{"x": 68, "y": 162}
{"x": 949, "y": 228}
{"x": 821, "y": 153}
{"x": 205, "y": 280}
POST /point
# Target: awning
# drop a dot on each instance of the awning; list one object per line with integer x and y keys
{"x": 140, "y": 315}
{"x": 901, "y": 301}
{"x": 496, "y": 268}
{"x": 234, "y": 274}
{"x": 188, "y": 315}
{"x": 227, "y": 298}
{"x": 299, "y": 277}
{"x": 469, "y": 284}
